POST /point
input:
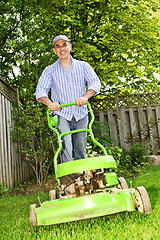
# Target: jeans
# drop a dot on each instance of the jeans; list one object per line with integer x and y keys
{"x": 73, "y": 145}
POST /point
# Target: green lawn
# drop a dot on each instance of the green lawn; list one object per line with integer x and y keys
{"x": 14, "y": 218}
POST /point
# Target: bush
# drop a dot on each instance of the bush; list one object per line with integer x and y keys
{"x": 131, "y": 161}
{"x": 4, "y": 190}
{"x": 31, "y": 131}
{"x": 116, "y": 152}
{"x": 137, "y": 152}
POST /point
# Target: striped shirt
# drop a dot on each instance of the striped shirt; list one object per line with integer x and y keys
{"x": 66, "y": 86}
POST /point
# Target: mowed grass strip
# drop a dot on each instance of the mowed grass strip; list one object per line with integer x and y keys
{"x": 14, "y": 218}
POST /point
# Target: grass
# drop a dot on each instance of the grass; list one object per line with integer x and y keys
{"x": 14, "y": 218}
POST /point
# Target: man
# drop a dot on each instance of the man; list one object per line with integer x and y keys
{"x": 67, "y": 79}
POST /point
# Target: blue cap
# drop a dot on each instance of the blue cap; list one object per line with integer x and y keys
{"x": 63, "y": 37}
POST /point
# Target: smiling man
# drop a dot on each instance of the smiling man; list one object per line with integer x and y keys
{"x": 67, "y": 78}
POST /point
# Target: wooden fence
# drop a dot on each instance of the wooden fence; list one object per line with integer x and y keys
{"x": 132, "y": 118}
{"x": 12, "y": 169}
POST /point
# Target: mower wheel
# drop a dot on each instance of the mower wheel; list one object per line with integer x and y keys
{"x": 122, "y": 183}
{"x": 33, "y": 218}
{"x": 142, "y": 202}
{"x": 52, "y": 195}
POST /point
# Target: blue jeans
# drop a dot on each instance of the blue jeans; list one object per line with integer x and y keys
{"x": 73, "y": 145}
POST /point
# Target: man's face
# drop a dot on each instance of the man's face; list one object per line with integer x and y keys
{"x": 62, "y": 49}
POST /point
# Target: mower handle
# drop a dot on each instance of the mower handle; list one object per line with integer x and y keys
{"x": 54, "y": 122}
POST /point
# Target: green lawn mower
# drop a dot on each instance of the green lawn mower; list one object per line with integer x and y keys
{"x": 87, "y": 188}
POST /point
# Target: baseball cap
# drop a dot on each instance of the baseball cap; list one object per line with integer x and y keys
{"x": 63, "y": 37}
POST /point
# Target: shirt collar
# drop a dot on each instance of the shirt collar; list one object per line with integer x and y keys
{"x": 72, "y": 60}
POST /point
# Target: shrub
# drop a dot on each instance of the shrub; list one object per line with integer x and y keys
{"x": 116, "y": 152}
{"x": 4, "y": 190}
{"x": 131, "y": 161}
{"x": 137, "y": 152}
{"x": 31, "y": 131}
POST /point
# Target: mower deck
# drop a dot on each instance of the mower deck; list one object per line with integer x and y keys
{"x": 88, "y": 206}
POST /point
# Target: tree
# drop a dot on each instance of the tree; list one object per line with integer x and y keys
{"x": 120, "y": 39}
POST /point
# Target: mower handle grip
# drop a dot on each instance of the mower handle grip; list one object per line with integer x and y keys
{"x": 69, "y": 104}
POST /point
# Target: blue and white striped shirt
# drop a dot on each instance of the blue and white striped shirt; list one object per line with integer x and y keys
{"x": 66, "y": 86}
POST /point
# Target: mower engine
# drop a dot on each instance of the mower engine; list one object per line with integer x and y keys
{"x": 79, "y": 184}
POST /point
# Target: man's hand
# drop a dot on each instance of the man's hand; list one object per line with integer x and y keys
{"x": 54, "y": 106}
{"x": 81, "y": 101}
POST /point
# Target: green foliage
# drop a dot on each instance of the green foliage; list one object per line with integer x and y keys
{"x": 137, "y": 153}
{"x": 132, "y": 161}
{"x": 4, "y": 190}
{"x": 90, "y": 152}
{"x": 36, "y": 144}
{"x": 116, "y": 152}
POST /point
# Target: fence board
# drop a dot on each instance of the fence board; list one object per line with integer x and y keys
{"x": 12, "y": 147}
{"x": 152, "y": 129}
{"x": 126, "y": 129}
{"x": 134, "y": 124}
{"x": 120, "y": 127}
{"x": 4, "y": 147}
{"x": 2, "y": 179}
{"x": 7, "y": 106}
{"x": 157, "y": 109}
{"x": 12, "y": 169}
{"x": 102, "y": 116}
{"x": 112, "y": 119}
{"x": 150, "y": 120}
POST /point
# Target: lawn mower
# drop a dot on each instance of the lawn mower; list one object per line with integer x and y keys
{"x": 86, "y": 188}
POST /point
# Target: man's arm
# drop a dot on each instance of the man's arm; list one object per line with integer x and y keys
{"x": 82, "y": 100}
{"x": 46, "y": 101}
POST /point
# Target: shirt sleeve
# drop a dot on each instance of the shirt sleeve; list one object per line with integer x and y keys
{"x": 44, "y": 83}
{"x": 91, "y": 78}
